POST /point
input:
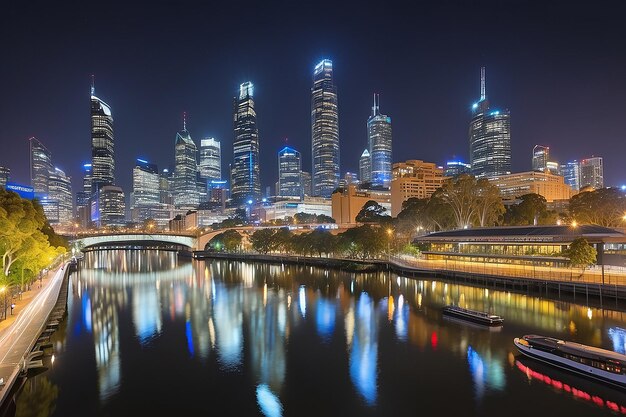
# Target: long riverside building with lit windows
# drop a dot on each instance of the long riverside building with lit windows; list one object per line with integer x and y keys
{"x": 522, "y": 245}
{"x": 245, "y": 173}
{"x": 324, "y": 131}
{"x": 413, "y": 179}
{"x": 489, "y": 138}
{"x": 551, "y": 187}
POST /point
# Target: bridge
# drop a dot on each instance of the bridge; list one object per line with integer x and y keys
{"x": 172, "y": 241}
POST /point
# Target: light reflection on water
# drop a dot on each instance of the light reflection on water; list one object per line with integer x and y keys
{"x": 377, "y": 331}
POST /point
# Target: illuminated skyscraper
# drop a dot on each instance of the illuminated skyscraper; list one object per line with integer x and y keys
{"x": 571, "y": 173}
{"x": 454, "y": 168}
{"x": 5, "y": 174}
{"x": 83, "y": 197}
{"x": 245, "y": 175}
{"x": 305, "y": 178}
{"x": 324, "y": 130}
{"x": 60, "y": 192}
{"x": 186, "y": 171}
{"x": 365, "y": 167}
{"x": 379, "y": 142}
{"x": 144, "y": 198}
{"x": 111, "y": 206}
{"x": 489, "y": 138}
{"x": 592, "y": 172}
{"x": 40, "y": 166}
{"x": 289, "y": 177}
{"x": 210, "y": 160}
{"x": 541, "y": 156}
{"x": 102, "y": 144}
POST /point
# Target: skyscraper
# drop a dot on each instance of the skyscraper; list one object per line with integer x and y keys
{"x": 83, "y": 210}
{"x": 145, "y": 196}
{"x": 210, "y": 160}
{"x": 592, "y": 172}
{"x": 40, "y": 166}
{"x": 305, "y": 178}
{"x": 365, "y": 167}
{"x": 489, "y": 138}
{"x": 186, "y": 170}
{"x": 5, "y": 174}
{"x": 541, "y": 156}
{"x": 60, "y": 192}
{"x": 102, "y": 144}
{"x": 379, "y": 142}
{"x": 245, "y": 175}
{"x": 289, "y": 168}
{"x": 454, "y": 168}
{"x": 111, "y": 206}
{"x": 324, "y": 130}
{"x": 571, "y": 174}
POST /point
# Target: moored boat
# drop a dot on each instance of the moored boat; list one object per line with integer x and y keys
{"x": 474, "y": 316}
{"x": 600, "y": 364}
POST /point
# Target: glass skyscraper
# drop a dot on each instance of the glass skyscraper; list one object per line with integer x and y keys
{"x": 289, "y": 173}
{"x": 379, "y": 142}
{"x": 365, "y": 167}
{"x": 489, "y": 138}
{"x": 324, "y": 130}
{"x": 40, "y": 166}
{"x": 541, "y": 156}
{"x": 145, "y": 196}
{"x": 60, "y": 191}
{"x": 210, "y": 160}
{"x": 571, "y": 173}
{"x": 5, "y": 174}
{"x": 110, "y": 207}
{"x": 245, "y": 175}
{"x": 592, "y": 172}
{"x": 185, "y": 171}
{"x": 102, "y": 144}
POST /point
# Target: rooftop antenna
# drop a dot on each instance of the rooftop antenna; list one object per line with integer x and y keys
{"x": 184, "y": 121}
{"x": 375, "y": 106}
{"x": 93, "y": 84}
{"x": 483, "y": 94}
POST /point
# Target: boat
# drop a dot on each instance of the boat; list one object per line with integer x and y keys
{"x": 599, "y": 364}
{"x": 474, "y": 316}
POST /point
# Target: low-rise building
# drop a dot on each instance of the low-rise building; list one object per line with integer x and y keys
{"x": 551, "y": 187}
{"x": 347, "y": 203}
{"x": 413, "y": 178}
{"x": 267, "y": 212}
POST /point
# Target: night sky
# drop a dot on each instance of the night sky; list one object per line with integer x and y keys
{"x": 559, "y": 67}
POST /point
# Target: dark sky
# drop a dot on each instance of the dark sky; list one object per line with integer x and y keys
{"x": 559, "y": 67}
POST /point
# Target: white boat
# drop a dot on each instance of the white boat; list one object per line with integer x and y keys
{"x": 600, "y": 364}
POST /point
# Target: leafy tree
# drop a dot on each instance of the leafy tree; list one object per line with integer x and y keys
{"x": 532, "y": 207}
{"x": 581, "y": 254}
{"x": 488, "y": 203}
{"x": 372, "y": 212}
{"x": 263, "y": 240}
{"x": 229, "y": 241}
{"x": 365, "y": 241}
{"x": 602, "y": 207}
{"x": 284, "y": 239}
{"x": 414, "y": 215}
{"x": 439, "y": 213}
{"x": 322, "y": 218}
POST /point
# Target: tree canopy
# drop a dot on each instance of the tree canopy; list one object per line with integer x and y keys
{"x": 372, "y": 212}
{"x": 581, "y": 254}
{"x": 602, "y": 207}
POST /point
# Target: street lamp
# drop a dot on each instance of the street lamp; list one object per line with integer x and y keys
{"x": 574, "y": 224}
{"x": 389, "y": 232}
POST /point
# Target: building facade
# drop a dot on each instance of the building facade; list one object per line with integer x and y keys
{"x": 245, "y": 172}
{"x": 145, "y": 197}
{"x": 289, "y": 169}
{"x": 413, "y": 179}
{"x": 489, "y": 138}
{"x": 185, "y": 189}
{"x": 5, "y": 176}
{"x": 455, "y": 168}
{"x": 548, "y": 185}
{"x": 324, "y": 131}
{"x": 102, "y": 144}
{"x": 365, "y": 167}
{"x": 210, "y": 159}
{"x": 110, "y": 207}
{"x": 347, "y": 204}
{"x": 541, "y": 156}
{"x": 592, "y": 172}
{"x": 379, "y": 140}
{"x": 307, "y": 184}
{"x": 60, "y": 191}
{"x": 571, "y": 173}
{"x": 40, "y": 166}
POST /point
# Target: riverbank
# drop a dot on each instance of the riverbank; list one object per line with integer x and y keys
{"x": 541, "y": 285}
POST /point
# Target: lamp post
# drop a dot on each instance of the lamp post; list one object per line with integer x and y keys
{"x": 389, "y": 232}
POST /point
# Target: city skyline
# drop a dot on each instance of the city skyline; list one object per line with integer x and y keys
{"x": 430, "y": 128}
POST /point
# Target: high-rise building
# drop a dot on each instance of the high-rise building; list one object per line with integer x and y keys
{"x": 541, "y": 156}
{"x": 102, "y": 143}
{"x": 365, "y": 167}
{"x": 110, "y": 206}
{"x": 185, "y": 171}
{"x": 5, "y": 174}
{"x": 40, "y": 166}
{"x": 454, "y": 168}
{"x": 571, "y": 172}
{"x": 83, "y": 197}
{"x": 165, "y": 187}
{"x": 489, "y": 138}
{"x": 210, "y": 160}
{"x": 60, "y": 190}
{"x": 307, "y": 183}
{"x": 324, "y": 130}
{"x": 592, "y": 172}
{"x": 413, "y": 179}
{"x": 379, "y": 142}
{"x": 289, "y": 168}
{"x": 553, "y": 168}
{"x": 245, "y": 175}
{"x": 145, "y": 197}
{"x": 551, "y": 187}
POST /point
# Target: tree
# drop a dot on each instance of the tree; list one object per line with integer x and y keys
{"x": 229, "y": 241}
{"x": 284, "y": 240}
{"x": 439, "y": 213}
{"x": 263, "y": 240}
{"x": 372, "y": 212}
{"x": 532, "y": 207}
{"x": 364, "y": 241}
{"x": 581, "y": 254}
{"x": 414, "y": 215}
{"x": 602, "y": 207}
{"x": 488, "y": 203}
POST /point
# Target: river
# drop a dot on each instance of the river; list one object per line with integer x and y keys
{"x": 148, "y": 334}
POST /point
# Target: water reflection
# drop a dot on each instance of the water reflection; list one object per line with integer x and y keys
{"x": 364, "y": 349}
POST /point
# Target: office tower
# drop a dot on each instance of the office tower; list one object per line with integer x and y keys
{"x": 324, "y": 130}
{"x": 489, "y": 138}
{"x": 165, "y": 187}
{"x": 553, "y": 168}
{"x": 145, "y": 197}
{"x": 365, "y": 167}
{"x": 413, "y": 179}
{"x": 83, "y": 197}
{"x": 571, "y": 172}
{"x": 592, "y": 172}
{"x": 60, "y": 191}
{"x": 102, "y": 144}
{"x": 541, "y": 156}
{"x": 185, "y": 171}
{"x": 245, "y": 175}
{"x": 289, "y": 168}
{"x": 307, "y": 183}
{"x": 5, "y": 174}
{"x": 379, "y": 142}
{"x": 40, "y": 166}
{"x": 454, "y": 168}
{"x": 110, "y": 206}
{"x": 210, "y": 160}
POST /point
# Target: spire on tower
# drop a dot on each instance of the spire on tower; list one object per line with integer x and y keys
{"x": 184, "y": 121}
{"x": 483, "y": 93}
{"x": 93, "y": 84}
{"x": 375, "y": 107}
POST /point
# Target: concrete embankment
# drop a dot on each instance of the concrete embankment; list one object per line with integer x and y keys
{"x": 599, "y": 293}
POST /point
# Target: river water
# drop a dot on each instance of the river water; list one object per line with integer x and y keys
{"x": 148, "y": 334}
